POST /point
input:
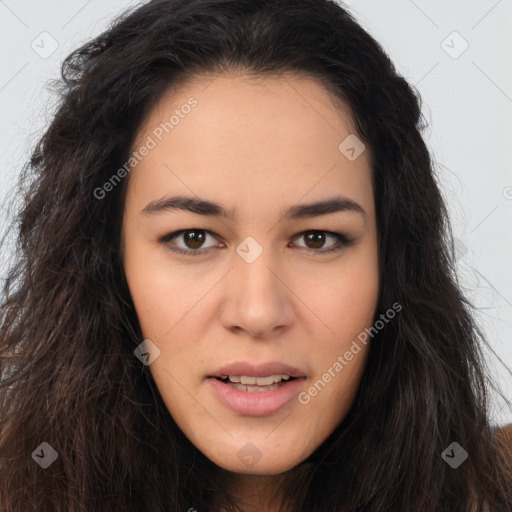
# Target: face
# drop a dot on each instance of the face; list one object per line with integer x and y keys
{"x": 274, "y": 293}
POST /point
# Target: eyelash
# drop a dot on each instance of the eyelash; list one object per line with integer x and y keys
{"x": 342, "y": 241}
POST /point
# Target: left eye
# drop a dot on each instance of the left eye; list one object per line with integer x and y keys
{"x": 194, "y": 239}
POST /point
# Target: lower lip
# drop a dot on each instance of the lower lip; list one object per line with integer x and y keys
{"x": 256, "y": 403}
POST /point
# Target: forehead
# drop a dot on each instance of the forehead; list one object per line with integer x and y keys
{"x": 228, "y": 135}
{"x": 295, "y": 107}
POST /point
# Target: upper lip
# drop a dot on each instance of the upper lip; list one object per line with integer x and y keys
{"x": 260, "y": 370}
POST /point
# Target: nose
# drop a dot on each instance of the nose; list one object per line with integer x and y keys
{"x": 258, "y": 300}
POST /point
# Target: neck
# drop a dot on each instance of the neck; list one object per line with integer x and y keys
{"x": 262, "y": 493}
{"x": 257, "y": 493}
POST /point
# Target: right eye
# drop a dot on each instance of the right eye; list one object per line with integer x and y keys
{"x": 193, "y": 236}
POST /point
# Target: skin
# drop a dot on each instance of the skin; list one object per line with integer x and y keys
{"x": 260, "y": 146}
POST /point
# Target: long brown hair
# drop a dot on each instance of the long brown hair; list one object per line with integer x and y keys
{"x": 68, "y": 325}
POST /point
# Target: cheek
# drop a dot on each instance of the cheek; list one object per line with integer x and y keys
{"x": 151, "y": 298}
{"x": 347, "y": 302}
{"x": 353, "y": 303}
{"x": 160, "y": 292}
{"x": 346, "y": 305}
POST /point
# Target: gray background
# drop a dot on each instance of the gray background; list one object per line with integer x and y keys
{"x": 467, "y": 95}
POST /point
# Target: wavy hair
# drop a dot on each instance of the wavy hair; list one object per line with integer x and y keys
{"x": 69, "y": 376}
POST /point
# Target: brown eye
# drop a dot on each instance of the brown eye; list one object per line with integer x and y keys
{"x": 316, "y": 239}
{"x": 190, "y": 241}
{"x": 194, "y": 239}
{"x": 187, "y": 241}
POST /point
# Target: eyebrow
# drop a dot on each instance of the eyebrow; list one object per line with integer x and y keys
{"x": 212, "y": 209}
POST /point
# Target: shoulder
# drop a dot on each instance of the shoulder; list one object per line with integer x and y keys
{"x": 503, "y": 442}
{"x": 504, "y": 437}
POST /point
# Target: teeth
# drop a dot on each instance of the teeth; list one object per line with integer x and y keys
{"x": 252, "y": 389}
{"x": 257, "y": 381}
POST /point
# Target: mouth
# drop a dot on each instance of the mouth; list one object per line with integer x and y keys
{"x": 251, "y": 384}
{"x": 256, "y": 390}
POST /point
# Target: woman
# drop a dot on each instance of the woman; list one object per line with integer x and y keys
{"x": 236, "y": 285}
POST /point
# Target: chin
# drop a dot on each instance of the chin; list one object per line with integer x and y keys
{"x": 270, "y": 468}
{"x": 251, "y": 460}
